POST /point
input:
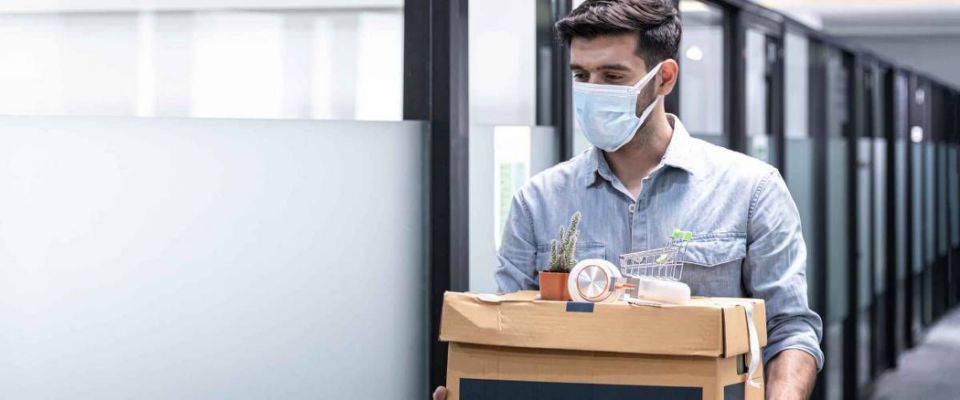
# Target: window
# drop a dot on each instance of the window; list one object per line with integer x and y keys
{"x": 702, "y": 69}
{"x": 312, "y": 59}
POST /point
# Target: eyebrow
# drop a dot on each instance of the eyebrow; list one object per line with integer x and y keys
{"x": 611, "y": 67}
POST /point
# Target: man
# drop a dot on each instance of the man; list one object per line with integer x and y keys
{"x": 646, "y": 176}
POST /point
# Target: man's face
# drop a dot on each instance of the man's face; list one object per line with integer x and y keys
{"x": 606, "y": 60}
{"x": 611, "y": 60}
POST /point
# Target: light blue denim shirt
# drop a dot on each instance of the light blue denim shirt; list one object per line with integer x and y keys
{"x": 747, "y": 240}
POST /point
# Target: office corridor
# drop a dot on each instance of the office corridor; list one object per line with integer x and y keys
{"x": 928, "y": 371}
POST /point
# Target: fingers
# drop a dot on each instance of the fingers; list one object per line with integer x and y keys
{"x": 440, "y": 393}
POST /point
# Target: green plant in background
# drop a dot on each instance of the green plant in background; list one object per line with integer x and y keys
{"x": 563, "y": 250}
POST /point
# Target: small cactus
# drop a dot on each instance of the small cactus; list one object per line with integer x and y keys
{"x": 563, "y": 250}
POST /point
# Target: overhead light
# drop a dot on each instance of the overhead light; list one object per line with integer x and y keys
{"x": 691, "y": 6}
{"x": 916, "y": 134}
{"x": 694, "y": 53}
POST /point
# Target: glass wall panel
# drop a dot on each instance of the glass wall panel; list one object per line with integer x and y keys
{"x": 866, "y": 228}
{"x": 880, "y": 168}
{"x": 506, "y": 146}
{"x": 942, "y": 188}
{"x": 917, "y": 192}
{"x": 864, "y": 193}
{"x": 758, "y": 134}
{"x": 930, "y": 228}
{"x": 503, "y": 61}
{"x": 929, "y": 203}
{"x": 837, "y": 236}
{"x": 173, "y": 258}
{"x": 838, "y": 216}
{"x": 213, "y": 59}
{"x": 953, "y": 173}
{"x": 702, "y": 83}
{"x": 901, "y": 213}
{"x": 864, "y": 255}
{"x": 502, "y": 160}
{"x": 797, "y": 66}
{"x": 880, "y": 244}
{"x": 918, "y": 202}
{"x": 800, "y": 153}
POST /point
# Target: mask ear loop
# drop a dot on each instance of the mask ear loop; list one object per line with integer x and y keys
{"x": 646, "y": 78}
{"x": 643, "y": 119}
{"x": 649, "y": 109}
{"x": 646, "y": 113}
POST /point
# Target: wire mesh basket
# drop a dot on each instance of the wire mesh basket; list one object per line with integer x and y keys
{"x": 665, "y": 263}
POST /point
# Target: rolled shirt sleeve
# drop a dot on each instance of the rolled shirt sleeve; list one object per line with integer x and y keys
{"x": 775, "y": 270}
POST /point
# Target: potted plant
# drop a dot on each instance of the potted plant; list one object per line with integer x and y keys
{"x": 553, "y": 281}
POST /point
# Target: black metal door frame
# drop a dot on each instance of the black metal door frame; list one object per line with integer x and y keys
{"x": 911, "y": 284}
{"x": 435, "y": 81}
{"x": 554, "y": 85}
{"x": 852, "y": 132}
{"x": 817, "y": 123}
{"x": 891, "y": 255}
{"x": 869, "y": 69}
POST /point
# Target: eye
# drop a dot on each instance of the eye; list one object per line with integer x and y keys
{"x": 614, "y": 77}
{"x": 580, "y": 77}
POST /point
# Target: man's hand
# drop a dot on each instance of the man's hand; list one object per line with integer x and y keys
{"x": 440, "y": 393}
{"x": 790, "y": 375}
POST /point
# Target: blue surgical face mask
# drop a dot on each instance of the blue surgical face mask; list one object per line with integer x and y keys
{"x": 607, "y": 114}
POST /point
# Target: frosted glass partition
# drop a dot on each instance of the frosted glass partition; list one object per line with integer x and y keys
{"x": 954, "y": 204}
{"x": 942, "y": 188}
{"x": 880, "y": 246}
{"x": 502, "y": 160}
{"x": 838, "y": 269}
{"x": 758, "y": 135}
{"x": 227, "y": 259}
{"x": 333, "y": 61}
{"x": 702, "y": 69}
{"x": 901, "y": 189}
{"x": 864, "y": 221}
{"x": 797, "y": 80}
{"x": 25, "y": 6}
{"x": 929, "y": 205}
{"x": 918, "y": 202}
{"x": 800, "y": 179}
{"x": 503, "y": 62}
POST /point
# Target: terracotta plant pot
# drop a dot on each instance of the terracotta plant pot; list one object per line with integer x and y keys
{"x": 553, "y": 286}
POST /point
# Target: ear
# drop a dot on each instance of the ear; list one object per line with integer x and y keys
{"x": 669, "y": 72}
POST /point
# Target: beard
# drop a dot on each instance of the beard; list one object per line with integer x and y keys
{"x": 642, "y": 138}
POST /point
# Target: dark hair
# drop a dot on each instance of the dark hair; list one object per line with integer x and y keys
{"x": 656, "y": 22}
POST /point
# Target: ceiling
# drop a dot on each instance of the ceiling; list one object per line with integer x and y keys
{"x": 875, "y": 17}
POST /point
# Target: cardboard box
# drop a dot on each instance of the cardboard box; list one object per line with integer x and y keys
{"x": 516, "y": 347}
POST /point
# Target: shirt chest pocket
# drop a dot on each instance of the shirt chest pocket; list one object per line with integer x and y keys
{"x": 712, "y": 265}
{"x": 584, "y": 250}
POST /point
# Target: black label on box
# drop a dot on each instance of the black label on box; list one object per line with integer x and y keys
{"x": 484, "y": 389}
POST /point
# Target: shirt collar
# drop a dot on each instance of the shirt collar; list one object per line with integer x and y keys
{"x": 678, "y": 155}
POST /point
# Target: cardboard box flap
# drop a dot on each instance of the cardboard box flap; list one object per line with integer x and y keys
{"x": 736, "y": 339}
{"x": 704, "y": 327}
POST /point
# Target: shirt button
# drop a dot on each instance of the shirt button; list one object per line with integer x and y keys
{"x": 632, "y": 208}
